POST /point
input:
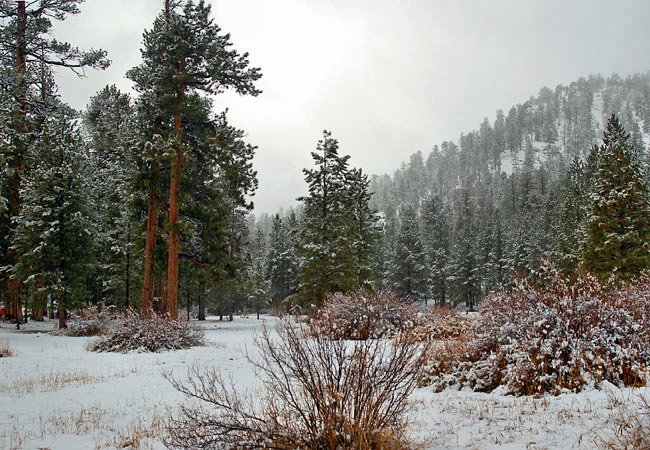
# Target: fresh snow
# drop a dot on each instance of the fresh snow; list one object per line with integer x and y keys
{"x": 57, "y": 395}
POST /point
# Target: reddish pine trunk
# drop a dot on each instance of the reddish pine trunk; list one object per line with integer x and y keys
{"x": 231, "y": 304}
{"x": 172, "y": 265}
{"x": 14, "y": 308}
{"x": 161, "y": 295}
{"x": 62, "y": 317}
{"x": 39, "y": 301}
{"x": 150, "y": 246}
{"x": 127, "y": 275}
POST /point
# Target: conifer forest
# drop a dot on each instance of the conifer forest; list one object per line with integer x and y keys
{"x": 493, "y": 290}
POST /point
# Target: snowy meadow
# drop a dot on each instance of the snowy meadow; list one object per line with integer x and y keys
{"x": 58, "y": 395}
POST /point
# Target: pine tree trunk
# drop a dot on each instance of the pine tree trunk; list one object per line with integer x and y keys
{"x": 127, "y": 281}
{"x": 39, "y": 302}
{"x": 150, "y": 246}
{"x": 202, "y": 307}
{"x": 62, "y": 317}
{"x": 231, "y": 304}
{"x": 172, "y": 265}
{"x": 14, "y": 307}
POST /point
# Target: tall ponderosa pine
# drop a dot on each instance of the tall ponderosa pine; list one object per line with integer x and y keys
{"x": 618, "y": 225}
{"x": 27, "y": 51}
{"x": 183, "y": 55}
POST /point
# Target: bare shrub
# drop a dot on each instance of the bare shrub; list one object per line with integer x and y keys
{"x": 439, "y": 323}
{"x": 559, "y": 336}
{"x": 319, "y": 393}
{"x": 364, "y": 315}
{"x": 90, "y": 321}
{"x": 153, "y": 333}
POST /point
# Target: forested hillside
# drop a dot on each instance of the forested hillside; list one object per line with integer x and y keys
{"x": 461, "y": 220}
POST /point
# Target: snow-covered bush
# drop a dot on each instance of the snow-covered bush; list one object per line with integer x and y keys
{"x": 135, "y": 331}
{"x": 319, "y": 393}
{"x": 90, "y": 321}
{"x": 561, "y": 335}
{"x": 363, "y": 315}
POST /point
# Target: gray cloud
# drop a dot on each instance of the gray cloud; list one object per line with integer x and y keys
{"x": 387, "y": 78}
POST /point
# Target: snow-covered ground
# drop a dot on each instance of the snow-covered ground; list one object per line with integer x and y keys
{"x": 55, "y": 394}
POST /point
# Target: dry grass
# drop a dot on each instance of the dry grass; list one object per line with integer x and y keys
{"x": 219, "y": 345}
{"x": 474, "y": 420}
{"x": 629, "y": 425}
{"x": 58, "y": 380}
{"x": 103, "y": 424}
{"x": 5, "y": 349}
{"x": 13, "y": 437}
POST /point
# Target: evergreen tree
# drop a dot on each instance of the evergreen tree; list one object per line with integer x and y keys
{"x": 257, "y": 284}
{"x": 325, "y": 237}
{"x": 282, "y": 267}
{"x": 464, "y": 285}
{"x": 28, "y": 52}
{"x": 339, "y": 230}
{"x": 364, "y": 224}
{"x": 109, "y": 125}
{"x": 618, "y": 226}
{"x": 53, "y": 229}
{"x": 569, "y": 224}
{"x": 409, "y": 273}
{"x": 390, "y": 227}
{"x": 435, "y": 239}
{"x": 184, "y": 55}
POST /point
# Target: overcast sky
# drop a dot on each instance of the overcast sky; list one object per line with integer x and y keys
{"x": 387, "y": 77}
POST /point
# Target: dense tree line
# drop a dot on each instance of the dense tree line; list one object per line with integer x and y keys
{"x": 518, "y": 190}
{"x": 146, "y": 201}
{"x": 462, "y": 222}
{"x": 130, "y": 202}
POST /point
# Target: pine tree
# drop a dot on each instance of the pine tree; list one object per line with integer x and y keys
{"x": 109, "y": 124}
{"x": 184, "y": 55}
{"x": 364, "y": 224}
{"x": 27, "y": 51}
{"x": 569, "y": 223}
{"x": 409, "y": 273}
{"x": 282, "y": 264}
{"x": 436, "y": 240}
{"x": 326, "y": 239}
{"x": 257, "y": 285}
{"x": 389, "y": 226}
{"x": 53, "y": 229}
{"x": 463, "y": 280}
{"x": 618, "y": 225}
